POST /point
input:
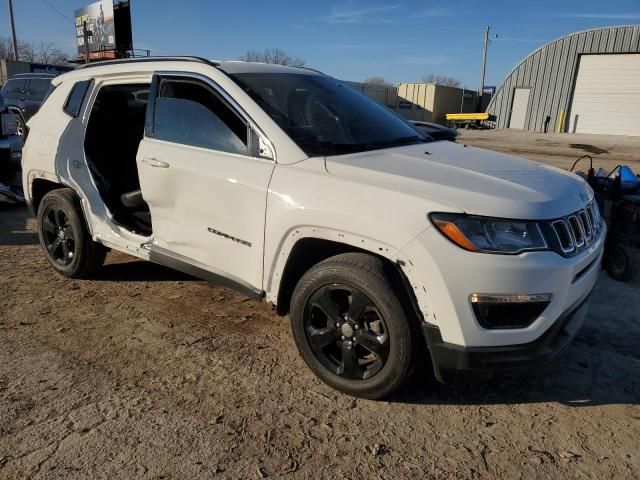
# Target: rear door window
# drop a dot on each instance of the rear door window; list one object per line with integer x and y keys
{"x": 14, "y": 88}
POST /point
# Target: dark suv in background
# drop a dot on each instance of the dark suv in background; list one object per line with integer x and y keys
{"x": 10, "y": 143}
{"x": 24, "y": 93}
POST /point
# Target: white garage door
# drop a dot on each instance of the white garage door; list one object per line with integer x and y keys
{"x": 607, "y": 95}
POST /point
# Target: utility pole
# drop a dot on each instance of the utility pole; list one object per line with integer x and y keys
{"x": 13, "y": 31}
{"x": 485, "y": 46}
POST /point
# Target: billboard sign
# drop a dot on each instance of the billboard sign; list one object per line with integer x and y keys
{"x": 99, "y": 18}
{"x": 51, "y": 69}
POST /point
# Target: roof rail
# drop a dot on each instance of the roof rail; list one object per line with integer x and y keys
{"x": 33, "y": 75}
{"x": 309, "y": 68}
{"x": 148, "y": 59}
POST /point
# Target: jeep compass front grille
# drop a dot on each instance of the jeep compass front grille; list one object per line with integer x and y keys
{"x": 577, "y": 231}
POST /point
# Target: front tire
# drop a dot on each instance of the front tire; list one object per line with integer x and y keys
{"x": 65, "y": 238}
{"x": 351, "y": 327}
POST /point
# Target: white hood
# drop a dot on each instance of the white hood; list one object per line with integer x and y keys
{"x": 473, "y": 180}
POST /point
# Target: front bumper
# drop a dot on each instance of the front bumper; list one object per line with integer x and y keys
{"x": 443, "y": 277}
{"x": 453, "y": 361}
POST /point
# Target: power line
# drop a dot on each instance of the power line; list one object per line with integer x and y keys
{"x": 58, "y": 11}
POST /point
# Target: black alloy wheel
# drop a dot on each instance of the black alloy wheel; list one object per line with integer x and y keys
{"x": 353, "y": 325}
{"x": 64, "y": 235}
{"x": 346, "y": 331}
{"x": 58, "y": 235}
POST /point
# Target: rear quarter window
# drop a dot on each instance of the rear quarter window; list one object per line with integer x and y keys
{"x": 76, "y": 97}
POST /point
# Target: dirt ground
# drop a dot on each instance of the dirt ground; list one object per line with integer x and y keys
{"x": 146, "y": 373}
{"x": 560, "y": 150}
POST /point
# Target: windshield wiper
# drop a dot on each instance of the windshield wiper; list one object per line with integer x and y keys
{"x": 348, "y": 147}
{"x": 335, "y": 148}
{"x": 404, "y": 141}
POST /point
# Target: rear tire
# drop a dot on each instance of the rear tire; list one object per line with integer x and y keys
{"x": 351, "y": 327}
{"x": 65, "y": 238}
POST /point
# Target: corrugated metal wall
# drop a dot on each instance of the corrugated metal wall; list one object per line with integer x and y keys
{"x": 550, "y": 72}
{"x": 426, "y": 102}
{"x": 415, "y": 101}
{"x": 386, "y": 95}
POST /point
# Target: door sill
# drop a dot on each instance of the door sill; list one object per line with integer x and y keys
{"x": 185, "y": 265}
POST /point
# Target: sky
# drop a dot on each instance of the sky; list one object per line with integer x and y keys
{"x": 400, "y": 40}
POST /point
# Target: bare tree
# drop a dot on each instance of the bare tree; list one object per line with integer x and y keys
{"x": 50, "y": 54}
{"x": 252, "y": 56}
{"x": 5, "y": 48}
{"x": 274, "y": 56}
{"x": 25, "y": 50}
{"x": 29, "y": 52}
{"x": 441, "y": 80}
{"x": 378, "y": 81}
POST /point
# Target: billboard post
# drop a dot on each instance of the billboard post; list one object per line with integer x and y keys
{"x": 86, "y": 34}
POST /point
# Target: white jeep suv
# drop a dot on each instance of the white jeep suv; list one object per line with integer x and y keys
{"x": 289, "y": 185}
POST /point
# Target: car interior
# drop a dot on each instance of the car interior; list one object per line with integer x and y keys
{"x": 114, "y": 132}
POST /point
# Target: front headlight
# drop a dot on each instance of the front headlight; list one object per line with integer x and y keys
{"x": 490, "y": 235}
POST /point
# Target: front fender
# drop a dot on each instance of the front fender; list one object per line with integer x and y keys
{"x": 305, "y": 201}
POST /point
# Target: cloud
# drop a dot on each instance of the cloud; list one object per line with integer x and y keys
{"x": 358, "y": 46}
{"x": 602, "y": 16}
{"x": 519, "y": 39}
{"x": 432, "y": 12}
{"x": 353, "y": 15}
{"x": 349, "y": 46}
{"x": 424, "y": 60}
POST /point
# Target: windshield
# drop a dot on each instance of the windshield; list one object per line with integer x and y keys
{"x": 326, "y": 117}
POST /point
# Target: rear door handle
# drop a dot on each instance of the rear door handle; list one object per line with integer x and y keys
{"x": 153, "y": 162}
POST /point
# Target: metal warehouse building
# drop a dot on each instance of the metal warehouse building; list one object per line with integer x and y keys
{"x": 585, "y": 82}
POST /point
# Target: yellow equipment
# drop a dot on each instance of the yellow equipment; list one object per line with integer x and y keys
{"x": 468, "y": 120}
